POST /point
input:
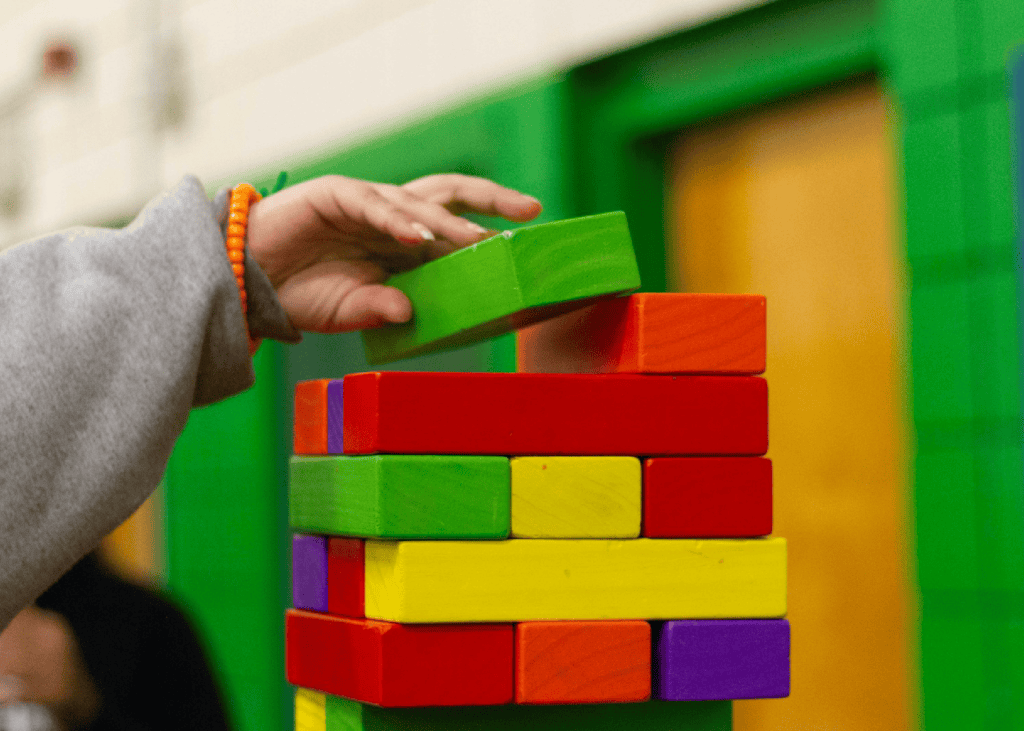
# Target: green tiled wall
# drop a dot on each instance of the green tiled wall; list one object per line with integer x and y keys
{"x": 226, "y": 551}
{"x": 953, "y": 663}
{"x": 940, "y": 336}
{"x": 950, "y": 512}
{"x": 933, "y": 163}
{"x": 947, "y": 63}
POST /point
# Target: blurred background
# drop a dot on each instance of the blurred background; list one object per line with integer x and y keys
{"x": 854, "y": 160}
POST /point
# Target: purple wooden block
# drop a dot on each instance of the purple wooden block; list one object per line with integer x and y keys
{"x": 722, "y": 659}
{"x": 335, "y": 418}
{"x": 309, "y": 572}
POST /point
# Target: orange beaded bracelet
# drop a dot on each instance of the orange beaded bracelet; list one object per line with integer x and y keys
{"x": 242, "y": 196}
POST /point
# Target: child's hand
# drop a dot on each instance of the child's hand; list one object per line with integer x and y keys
{"x": 328, "y": 244}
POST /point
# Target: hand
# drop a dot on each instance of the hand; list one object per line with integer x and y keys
{"x": 328, "y": 244}
{"x": 40, "y": 663}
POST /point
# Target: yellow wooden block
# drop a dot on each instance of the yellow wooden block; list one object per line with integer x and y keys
{"x": 520, "y": 580}
{"x": 575, "y": 497}
{"x": 310, "y": 710}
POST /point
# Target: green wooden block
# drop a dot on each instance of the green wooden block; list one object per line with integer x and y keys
{"x": 346, "y": 715}
{"x": 401, "y": 496}
{"x": 507, "y": 282}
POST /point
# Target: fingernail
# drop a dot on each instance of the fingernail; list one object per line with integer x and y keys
{"x": 425, "y": 233}
{"x": 475, "y": 228}
{"x": 530, "y": 198}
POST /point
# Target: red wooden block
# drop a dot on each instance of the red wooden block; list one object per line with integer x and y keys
{"x": 522, "y": 413}
{"x": 310, "y": 436}
{"x": 583, "y": 662}
{"x": 707, "y": 497}
{"x": 345, "y": 583}
{"x": 651, "y": 333}
{"x": 395, "y": 665}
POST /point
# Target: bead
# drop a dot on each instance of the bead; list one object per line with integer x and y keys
{"x": 242, "y": 196}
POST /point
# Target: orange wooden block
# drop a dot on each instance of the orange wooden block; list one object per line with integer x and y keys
{"x": 583, "y": 662}
{"x": 310, "y": 435}
{"x": 651, "y": 333}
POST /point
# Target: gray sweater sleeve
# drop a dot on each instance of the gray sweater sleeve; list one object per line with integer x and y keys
{"x": 107, "y": 339}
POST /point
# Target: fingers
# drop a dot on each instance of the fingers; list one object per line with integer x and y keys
{"x": 465, "y": 193}
{"x": 445, "y": 225}
{"x": 421, "y": 212}
{"x": 361, "y": 202}
{"x": 373, "y": 305}
{"x": 340, "y": 296}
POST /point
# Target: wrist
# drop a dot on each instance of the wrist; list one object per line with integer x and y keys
{"x": 239, "y": 202}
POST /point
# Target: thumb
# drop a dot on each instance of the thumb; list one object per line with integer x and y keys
{"x": 371, "y": 305}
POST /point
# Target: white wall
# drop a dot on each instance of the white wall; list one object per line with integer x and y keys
{"x": 265, "y": 80}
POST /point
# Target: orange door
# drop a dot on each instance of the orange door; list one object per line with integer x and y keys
{"x": 133, "y": 549}
{"x": 795, "y": 201}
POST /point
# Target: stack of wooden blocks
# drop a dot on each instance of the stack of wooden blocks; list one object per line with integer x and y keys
{"x": 577, "y": 545}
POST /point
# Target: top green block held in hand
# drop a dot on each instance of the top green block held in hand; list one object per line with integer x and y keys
{"x": 507, "y": 282}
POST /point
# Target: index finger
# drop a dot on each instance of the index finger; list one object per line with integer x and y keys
{"x": 467, "y": 193}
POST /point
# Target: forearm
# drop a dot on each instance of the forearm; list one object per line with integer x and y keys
{"x": 108, "y": 339}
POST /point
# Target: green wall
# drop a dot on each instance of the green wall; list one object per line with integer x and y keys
{"x": 593, "y": 140}
{"x": 947, "y": 62}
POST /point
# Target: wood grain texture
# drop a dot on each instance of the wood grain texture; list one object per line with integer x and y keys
{"x": 507, "y": 282}
{"x": 530, "y": 414}
{"x": 400, "y": 496}
{"x": 707, "y": 497}
{"x": 309, "y": 435}
{"x": 309, "y": 572}
{"x": 345, "y": 715}
{"x": 704, "y": 660}
{"x": 797, "y": 201}
{"x": 395, "y": 665}
{"x": 576, "y": 497}
{"x": 310, "y": 710}
{"x": 335, "y": 414}
{"x": 583, "y": 662}
{"x": 663, "y": 332}
{"x": 538, "y": 579}
{"x": 346, "y": 562}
